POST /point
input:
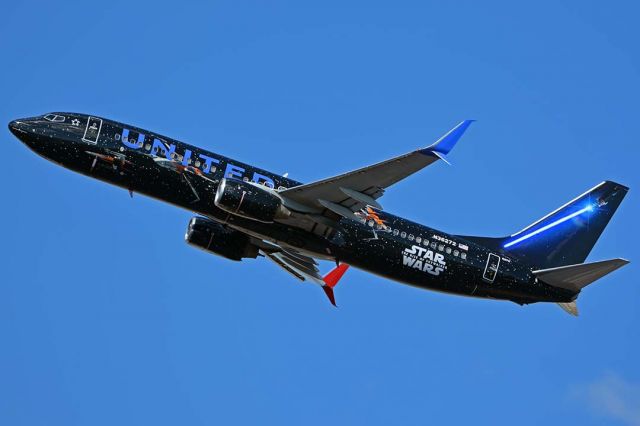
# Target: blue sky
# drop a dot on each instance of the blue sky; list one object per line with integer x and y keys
{"x": 107, "y": 317}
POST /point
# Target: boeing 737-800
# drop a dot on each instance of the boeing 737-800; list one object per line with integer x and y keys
{"x": 246, "y": 212}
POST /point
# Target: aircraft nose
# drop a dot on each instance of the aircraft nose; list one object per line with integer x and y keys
{"x": 17, "y": 127}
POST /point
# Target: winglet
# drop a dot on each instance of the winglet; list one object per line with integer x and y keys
{"x": 445, "y": 144}
{"x": 331, "y": 280}
{"x": 329, "y": 292}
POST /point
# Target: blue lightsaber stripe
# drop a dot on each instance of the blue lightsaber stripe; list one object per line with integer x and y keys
{"x": 551, "y": 225}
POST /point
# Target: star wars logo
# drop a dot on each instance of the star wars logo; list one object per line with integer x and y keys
{"x": 424, "y": 259}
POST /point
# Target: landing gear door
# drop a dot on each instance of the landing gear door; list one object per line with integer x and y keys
{"x": 491, "y": 269}
{"x": 92, "y": 131}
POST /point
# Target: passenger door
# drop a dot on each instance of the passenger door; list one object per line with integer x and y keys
{"x": 92, "y": 131}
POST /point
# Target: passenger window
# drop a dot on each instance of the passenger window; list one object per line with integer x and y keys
{"x": 197, "y": 163}
{"x": 147, "y": 146}
{"x": 463, "y": 255}
{"x": 456, "y": 253}
{"x": 418, "y": 240}
{"x": 411, "y": 237}
{"x": 396, "y": 232}
{"x": 433, "y": 245}
{"x": 426, "y": 243}
{"x": 403, "y": 234}
{"x": 448, "y": 250}
{"x": 440, "y": 247}
{"x": 370, "y": 223}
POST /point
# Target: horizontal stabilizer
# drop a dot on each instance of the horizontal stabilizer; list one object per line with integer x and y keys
{"x": 576, "y": 277}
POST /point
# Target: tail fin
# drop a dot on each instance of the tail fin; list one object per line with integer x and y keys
{"x": 566, "y": 235}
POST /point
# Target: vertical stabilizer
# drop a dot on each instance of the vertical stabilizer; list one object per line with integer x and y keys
{"x": 566, "y": 235}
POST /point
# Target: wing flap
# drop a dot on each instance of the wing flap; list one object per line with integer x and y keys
{"x": 278, "y": 261}
{"x": 300, "y": 266}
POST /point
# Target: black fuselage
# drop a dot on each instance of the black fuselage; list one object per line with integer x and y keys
{"x": 147, "y": 163}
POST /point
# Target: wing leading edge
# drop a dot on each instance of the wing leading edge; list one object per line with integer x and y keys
{"x": 359, "y": 188}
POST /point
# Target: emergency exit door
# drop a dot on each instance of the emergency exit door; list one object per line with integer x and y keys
{"x": 491, "y": 269}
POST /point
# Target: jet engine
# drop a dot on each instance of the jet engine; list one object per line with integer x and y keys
{"x": 249, "y": 200}
{"x": 215, "y": 238}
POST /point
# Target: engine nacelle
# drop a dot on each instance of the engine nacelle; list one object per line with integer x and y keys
{"x": 250, "y": 201}
{"x": 214, "y": 238}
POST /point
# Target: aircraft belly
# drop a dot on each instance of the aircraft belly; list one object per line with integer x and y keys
{"x": 394, "y": 260}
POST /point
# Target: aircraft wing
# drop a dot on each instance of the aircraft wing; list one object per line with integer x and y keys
{"x": 349, "y": 192}
{"x": 300, "y": 266}
{"x": 304, "y": 268}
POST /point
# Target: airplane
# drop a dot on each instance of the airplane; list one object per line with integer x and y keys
{"x": 244, "y": 212}
{"x": 113, "y": 159}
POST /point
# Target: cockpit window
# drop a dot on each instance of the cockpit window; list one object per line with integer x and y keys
{"x": 55, "y": 118}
